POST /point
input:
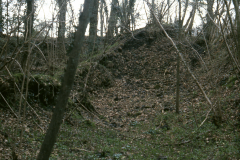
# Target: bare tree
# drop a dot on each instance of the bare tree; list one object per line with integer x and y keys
{"x": 93, "y": 27}
{"x": 102, "y": 8}
{"x": 28, "y": 28}
{"x": 1, "y": 18}
{"x": 67, "y": 83}
{"x": 189, "y": 24}
{"x": 29, "y": 19}
{"x": 153, "y": 11}
{"x": 62, "y": 4}
{"x": 210, "y": 15}
{"x": 112, "y": 20}
{"x": 178, "y": 58}
{"x": 126, "y": 15}
{"x": 236, "y": 6}
{"x": 130, "y": 13}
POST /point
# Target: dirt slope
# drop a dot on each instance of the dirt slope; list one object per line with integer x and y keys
{"x": 144, "y": 67}
{"x": 132, "y": 87}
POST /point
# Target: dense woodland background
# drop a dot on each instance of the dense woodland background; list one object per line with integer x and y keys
{"x": 100, "y": 86}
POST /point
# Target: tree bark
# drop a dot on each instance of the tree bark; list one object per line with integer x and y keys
{"x": 93, "y": 27}
{"x": 153, "y": 12}
{"x": 236, "y": 6}
{"x": 193, "y": 12}
{"x": 61, "y": 28}
{"x": 210, "y": 17}
{"x": 28, "y": 29}
{"x": 112, "y": 20}
{"x": 1, "y": 18}
{"x": 178, "y": 59}
{"x": 130, "y": 13}
{"x": 29, "y": 21}
{"x": 67, "y": 84}
{"x": 101, "y": 18}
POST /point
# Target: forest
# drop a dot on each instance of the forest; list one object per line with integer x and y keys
{"x": 120, "y": 79}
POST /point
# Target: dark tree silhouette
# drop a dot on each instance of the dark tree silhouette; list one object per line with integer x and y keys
{"x": 67, "y": 84}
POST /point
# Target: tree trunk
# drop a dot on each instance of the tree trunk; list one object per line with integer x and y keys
{"x": 123, "y": 16}
{"x": 29, "y": 21}
{"x": 67, "y": 84}
{"x": 112, "y": 20}
{"x": 153, "y": 12}
{"x": 1, "y": 18}
{"x": 101, "y": 18}
{"x": 92, "y": 45}
{"x": 178, "y": 59}
{"x": 190, "y": 26}
{"x": 61, "y": 28}
{"x": 28, "y": 28}
{"x": 168, "y": 15}
{"x": 236, "y": 6}
{"x": 210, "y": 17}
{"x": 185, "y": 11}
{"x": 130, "y": 12}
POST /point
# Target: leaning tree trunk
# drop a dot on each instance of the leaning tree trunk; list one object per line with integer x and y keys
{"x": 61, "y": 50}
{"x": 193, "y": 12}
{"x": 67, "y": 84}
{"x": 92, "y": 45}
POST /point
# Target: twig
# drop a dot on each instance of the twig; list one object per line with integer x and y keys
{"x": 9, "y": 106}
{"x": 40, "y": 51}
{"x": 78, "y": 149}
{"x": 24, "y": 97}
{"x": 129, "y": 32}
{"x": 198, "y": 55}
{"x": 206, "y": 116}
{"x": 229, "y": 51}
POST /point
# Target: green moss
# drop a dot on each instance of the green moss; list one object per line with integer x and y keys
{"x": 231, "y": 81}
{"x": 89, "y": 123}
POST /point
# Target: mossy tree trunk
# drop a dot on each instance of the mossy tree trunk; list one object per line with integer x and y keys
{"x": 67, "y": 83}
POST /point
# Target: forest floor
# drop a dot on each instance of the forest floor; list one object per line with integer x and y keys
{"x": 136, "y": 116}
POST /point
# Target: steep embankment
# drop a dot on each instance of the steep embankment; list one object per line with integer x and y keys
{"x": 144, "y": 67}
{"x": 141, "y": 103}
{"x": 132, "y": 87}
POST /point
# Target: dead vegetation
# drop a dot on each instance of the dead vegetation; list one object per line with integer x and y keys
{"x": 129, "y": 90}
